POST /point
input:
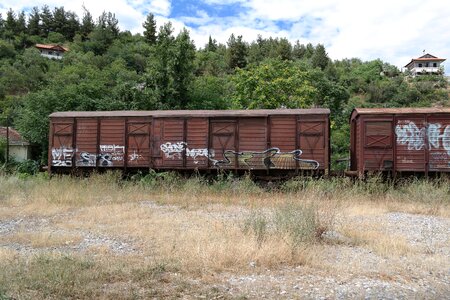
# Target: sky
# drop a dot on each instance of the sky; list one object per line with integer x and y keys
{"x": 394, "y": 31}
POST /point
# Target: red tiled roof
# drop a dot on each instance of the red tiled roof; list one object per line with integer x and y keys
{"x": 14, "y": 136}
{"x": 51, "y": 47}
{"x": 426, "y": 57}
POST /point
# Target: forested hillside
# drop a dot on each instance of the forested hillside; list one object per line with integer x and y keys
{"x": 109, "y": 69}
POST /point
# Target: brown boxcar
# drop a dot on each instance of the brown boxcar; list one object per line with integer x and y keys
{"x": 400, "y": 140}
{"x": 284, "y": 139}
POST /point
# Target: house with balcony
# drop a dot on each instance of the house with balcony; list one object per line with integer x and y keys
{"x": 427, "y": 64}
{"x": 51, "y": 51}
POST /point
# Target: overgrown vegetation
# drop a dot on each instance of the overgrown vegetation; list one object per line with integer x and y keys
{"x": 109, "y": 69}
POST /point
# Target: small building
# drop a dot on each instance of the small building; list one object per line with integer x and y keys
{"x": 427, "y": 64}
{"x": 52, "y": 51}
{"x": 19, "y": 148}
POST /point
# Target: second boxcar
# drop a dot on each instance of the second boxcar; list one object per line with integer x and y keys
{"x": 284, "y": 139}
{"x": 408, "y": 140}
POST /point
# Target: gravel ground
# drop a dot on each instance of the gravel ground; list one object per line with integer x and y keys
{"x": 349, "y": 271}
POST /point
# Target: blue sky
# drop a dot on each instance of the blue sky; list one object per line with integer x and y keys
{"x": 394, "y": 31}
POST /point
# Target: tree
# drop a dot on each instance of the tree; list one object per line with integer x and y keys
{"x": 183, "y": 66}
{"x": 10, "y": 24}
{"x": 21, "y": 24}
{"x": 87, "y": 24}
{"x": 34, "y": 19}
{"x": 320, "y": 57}
{"x": 47, "y": 21}
{"x": 273, "y": 84}
{"x": 236, "y": 52}
{"x": 212, "y": 45}
{"x": 150, "y": 29}
{"x": 299, "y": 50}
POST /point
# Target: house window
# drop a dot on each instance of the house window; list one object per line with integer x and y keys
{"x": 434, "y": 65}
{"x": 420, "y": 65}
{"x": 426, "y": 65}
{"x": 50, "y": 52}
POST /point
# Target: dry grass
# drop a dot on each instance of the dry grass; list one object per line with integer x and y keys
{"x": 190, "y": 228}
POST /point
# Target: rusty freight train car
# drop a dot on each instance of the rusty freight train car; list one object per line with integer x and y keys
{"x": 400, "y": 140}
{"x": 269, "y": 141}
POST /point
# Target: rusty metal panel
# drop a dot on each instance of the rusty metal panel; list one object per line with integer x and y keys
{"x": 312, "y": 134}
{"x": 111, "y": 152}
{"x": 223, "y": 143}
{"x": 377, "y": 144}
{"x": 252, "y": 144}
{"x": 61, "y": 143}
{"x": 86, "y": 142}
{"x": 172, "y": 145}
{"x": 197, "y": 151}
{"x": 138, "y": 144}
{"x": 410, "y": 154}
{"x": 438, "y": 140}
{"x": 282, "y": 133}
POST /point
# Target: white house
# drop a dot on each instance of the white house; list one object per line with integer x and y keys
{"x": 426, "y": 64}
{"x": 51, "y": 51}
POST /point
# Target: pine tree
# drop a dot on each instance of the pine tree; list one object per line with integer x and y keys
{"x": 21, "y": 24}
{"x": 299, "y": 50}
{"x": 34, "y": 18}
{"x": 212, "y": 45}
{"x": 320, "y": 58}
{"x": 87, "y": 24}
{"x": 150, "y": 29}
{"x": 73, "y": 26}
{"x": 2, "y": 26}
{"x": 47, "y": 21}
{"x": 236, "y": 52}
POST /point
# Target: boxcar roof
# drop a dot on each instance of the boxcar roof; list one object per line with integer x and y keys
{"x": 191, "y": 113}
{"x": 403, "y": 110}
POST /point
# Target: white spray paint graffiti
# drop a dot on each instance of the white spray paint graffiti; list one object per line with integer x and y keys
{"x": 87, "y": 159}
{"x": 134, "y": 156}
{"x": 62, "y": 156}
{"x": 416, "y": 138}
{"x": 410, "y": 134}
{"x": 175, "y": 150}
{"x": 110, "y": 153}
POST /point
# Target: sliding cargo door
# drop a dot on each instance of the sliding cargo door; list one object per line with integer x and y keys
{"x": 61, "y": 152}
{"x": 377, "y": 144}
{"x": 138, "y": 142}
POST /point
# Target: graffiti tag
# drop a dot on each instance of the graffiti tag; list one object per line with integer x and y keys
{"x": 417, "y": 138}
{"x": 62, "y": 156}
{"x": 175, "y": 150}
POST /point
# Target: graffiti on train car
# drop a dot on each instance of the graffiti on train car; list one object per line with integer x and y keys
{"x": 175, "y": 151}
{"x": 87, "y": 159}
{"x": 62, "y": 156}
{"x": 271, "y": 158}
{"x": 110, "y": 154}
{"x": 416, "y": 137}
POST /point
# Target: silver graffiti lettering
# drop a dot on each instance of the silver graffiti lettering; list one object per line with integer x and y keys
{"x": 410, "y": 134}
{"x": 416, "y": 138}
{"x": 62, "y": 156}
{"x": 175, "y": 150}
